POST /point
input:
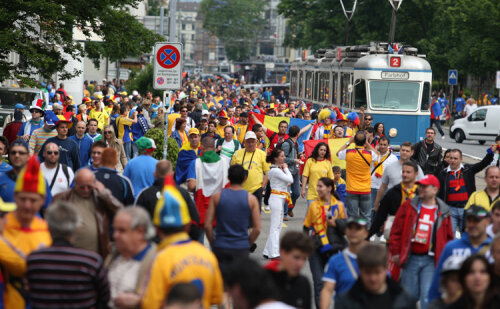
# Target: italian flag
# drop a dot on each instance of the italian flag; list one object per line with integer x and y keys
{"x": 211, "y": 177}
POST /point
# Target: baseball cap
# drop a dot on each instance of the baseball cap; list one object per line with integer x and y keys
{"x": 171, "y": 210}
{"x": 360, "y": 221}
{"x": 250, "y": 135}
{"x": 145, "y": 144}
{"x": 452, "y": 263}
{"x": 212, "y": 109}
{"x": 204, "y": 112}
{"x": 194, "y": 131}
{"x": 19, "y": 106}
{"x": 477, "y": 212}
{"x": 429, "y": 180}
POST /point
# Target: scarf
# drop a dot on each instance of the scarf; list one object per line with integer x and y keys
{"x": 379, "y": 165}
{"x": 407, "y": 193}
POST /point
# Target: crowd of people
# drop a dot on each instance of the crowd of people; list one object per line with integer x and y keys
{"x": 89, "y": 218}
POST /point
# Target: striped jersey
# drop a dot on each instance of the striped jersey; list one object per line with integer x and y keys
{"x": 62, "y": 276}
{"x": 38, "y": 138}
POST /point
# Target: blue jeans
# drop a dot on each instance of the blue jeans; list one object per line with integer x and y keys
{"x": 135, "y": 150}
{"x": 457, "y": 219}
{"x": 317, "y": 267}
{"x": 373, "y": 196}
{"x": 416, "y": 277}
{"x": 128, "y": 150}
{"x": 359, "y": 205}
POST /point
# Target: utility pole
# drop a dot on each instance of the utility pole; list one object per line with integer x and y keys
{"x": 162, "y": 16}
{"x": 348, "y": 16}
{"x": 395, "y": 7}
{"x": 173, "y": 12}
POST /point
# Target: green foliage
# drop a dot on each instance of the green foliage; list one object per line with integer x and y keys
{"x": 172, "y": 147}
{"x": 42, "y": 30}
{"x": 237, "y": 23}
{"x": 461, "y": 34}
{"x": 154, "y": 8}
{"x": 142, "y": 81}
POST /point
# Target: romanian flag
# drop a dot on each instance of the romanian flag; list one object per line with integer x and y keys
{"x": 272, "y": 123}
{"x": 334, "y": 145}
{"x": 185, "y": 157}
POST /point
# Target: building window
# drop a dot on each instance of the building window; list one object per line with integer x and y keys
{"x": 183, "y": 26}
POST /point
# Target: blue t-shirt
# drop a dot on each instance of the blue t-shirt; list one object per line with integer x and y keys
{"x": 443, "y": 102}
{"x": 33, "y": 127}
{"x": 459, "y": 104}
{"x": 337, "y": 271}
{"x": 140, "y": 171}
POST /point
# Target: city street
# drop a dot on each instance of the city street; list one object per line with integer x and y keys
{"x": 468, "y": 147}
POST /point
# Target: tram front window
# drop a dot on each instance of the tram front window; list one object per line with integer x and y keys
{"x": 394, "y": 95}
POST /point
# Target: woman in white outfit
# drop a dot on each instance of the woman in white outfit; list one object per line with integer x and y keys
{"x": 279, "y": 178}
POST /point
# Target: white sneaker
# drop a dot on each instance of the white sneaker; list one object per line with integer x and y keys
{"x": 267, "y": 208}
{"x": 382, "y": 239}
{"x": 443, "y": 137}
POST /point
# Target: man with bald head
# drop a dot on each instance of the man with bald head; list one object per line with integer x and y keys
{"x": 97, "y": 207}
{"x": 84, "y": 142}
{"x": 58, "y": 175}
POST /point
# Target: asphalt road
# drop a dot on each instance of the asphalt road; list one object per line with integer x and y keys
{"x": 469, "y": 147}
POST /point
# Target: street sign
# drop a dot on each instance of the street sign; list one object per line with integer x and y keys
{"x": 452, "y": 77}
{"x": 167, "y": 73}
{"x": 498, "y": 79}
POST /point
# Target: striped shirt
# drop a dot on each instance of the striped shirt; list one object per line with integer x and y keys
{"x": 62, "y": 276}
{"x": 38, "y": 138}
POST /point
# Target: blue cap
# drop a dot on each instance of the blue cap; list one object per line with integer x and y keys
{"x": 43, "y": 84}
{"x": 19, "y": 106}
{"x": 212, "y": 109}
{"x": 50, "y": 118}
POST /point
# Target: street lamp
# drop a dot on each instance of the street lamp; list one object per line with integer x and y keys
{"x": 395, "y": 7}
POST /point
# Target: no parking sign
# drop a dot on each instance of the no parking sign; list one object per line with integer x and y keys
{"x": 167, "y": 73}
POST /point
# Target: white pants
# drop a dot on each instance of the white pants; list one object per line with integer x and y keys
{"x": 276, "y": 203}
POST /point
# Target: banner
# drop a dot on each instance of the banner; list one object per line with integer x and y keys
{"x": 334, "y": 145}
{"x": 272, "y": 123}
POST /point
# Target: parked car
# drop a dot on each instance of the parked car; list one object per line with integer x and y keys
{"x": 482, "y": 125}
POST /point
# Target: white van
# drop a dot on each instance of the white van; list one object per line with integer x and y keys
{"x": 482, "y": 125}
{"x": 10, "y": 96}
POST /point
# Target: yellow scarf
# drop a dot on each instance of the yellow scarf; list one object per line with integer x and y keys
{"x": 379, "y": 170}
{"x": 407, "y": 193}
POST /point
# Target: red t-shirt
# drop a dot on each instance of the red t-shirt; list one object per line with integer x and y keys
{"x": 423, "y": 229}
{"x": 273, "y": 141}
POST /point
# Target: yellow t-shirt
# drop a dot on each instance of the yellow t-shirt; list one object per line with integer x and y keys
{"x": 314, "y": 170}
{"x": 256, "y": 168}
{"x": 240, "y": 130}
{"x": 358, "y": 170}
{"x": 24, "y": 240}
{"x": 184, "y": 261}
{"x": 315, "y": 213}
{"x": 220, "y": 129}
{"x": 171, "y": 121}
{"x": 101, "y": 117}
{"x": 124, "y": 130}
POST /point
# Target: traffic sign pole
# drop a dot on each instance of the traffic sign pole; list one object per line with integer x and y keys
{"x": 166, "y": 108}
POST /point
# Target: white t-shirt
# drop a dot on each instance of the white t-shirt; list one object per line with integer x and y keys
{"x": 377, "y": 181}
{"x": 393, "y": 174}
{"x": 62, "y": 183}
{"x": 469, "y": 109}
{"x": 228, "y": 150}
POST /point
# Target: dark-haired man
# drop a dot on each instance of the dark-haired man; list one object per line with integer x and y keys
{"x": 358, "y": 177}
{"x": 374, "y": 289}
{"x": 294, "y": 288}
{"x": 458, "y": 183}
{"x": 427, "y": 153}
{"x": 235, "y": 209}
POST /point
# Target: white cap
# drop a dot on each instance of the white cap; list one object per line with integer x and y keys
{"x": 204, "y": 112}
{"x": 250, "y": 135}
{"x": 153, "y": 144}
{"x": 135, "y": 93}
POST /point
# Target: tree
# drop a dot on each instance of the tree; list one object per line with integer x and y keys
{"x": 142, "y": 81}
{"x": 41, "y": 31}
{"x": 237, "y": 23}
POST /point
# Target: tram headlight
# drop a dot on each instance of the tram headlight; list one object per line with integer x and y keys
{"x": 393, "y": 132}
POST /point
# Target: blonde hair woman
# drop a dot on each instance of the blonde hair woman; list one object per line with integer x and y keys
{"x": 111, "y": 141}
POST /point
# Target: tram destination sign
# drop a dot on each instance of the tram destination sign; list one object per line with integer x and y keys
{"x": 395, "y": 75}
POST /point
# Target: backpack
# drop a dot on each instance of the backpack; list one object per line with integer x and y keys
{"x": 291, "y": 144}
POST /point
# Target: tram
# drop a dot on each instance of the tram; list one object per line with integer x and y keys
{"x": 392, "y": 83}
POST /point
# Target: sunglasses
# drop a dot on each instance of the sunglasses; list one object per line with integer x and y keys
{"x": 107, "y": 132}
{"x": 22, "y": 153}
{"x": 368, "y": 118}
{"x": 52, "y": 152}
